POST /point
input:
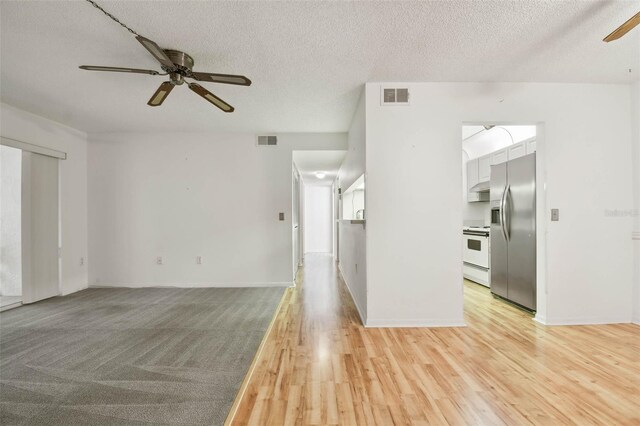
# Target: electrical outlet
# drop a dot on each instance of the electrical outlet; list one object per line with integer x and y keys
{"x": 555, "y": 215}
{"x": 159, "y": 260}
{"x": 82, "y": 261}
{"x": 198, "y": 260}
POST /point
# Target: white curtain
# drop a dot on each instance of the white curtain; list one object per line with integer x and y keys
{"x": 40, "y": 267}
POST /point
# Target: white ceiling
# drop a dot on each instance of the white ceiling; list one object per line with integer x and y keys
{"x": 310, "y": 162}
{"x": 308, "y": 60}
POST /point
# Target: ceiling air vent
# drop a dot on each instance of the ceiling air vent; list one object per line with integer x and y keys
{"x": 267, "y": 140}
{"x": 395, "y": 96}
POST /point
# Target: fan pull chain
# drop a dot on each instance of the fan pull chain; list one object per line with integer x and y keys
{"x": 111, "y": 16}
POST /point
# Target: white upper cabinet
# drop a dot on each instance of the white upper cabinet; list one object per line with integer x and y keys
{"x": 516, "y": 151}
{"x": 472, "y": 173}
{"x": 499, "y": 156}
{"x": 484, "y": 168}
{"x": 479, "y": 169}
{"x": 531, "y": 146}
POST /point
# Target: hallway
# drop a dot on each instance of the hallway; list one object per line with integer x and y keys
{"x": 319, "y": 365}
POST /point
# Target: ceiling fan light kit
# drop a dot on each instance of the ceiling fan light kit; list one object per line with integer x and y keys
{"x": 178, "y": 66}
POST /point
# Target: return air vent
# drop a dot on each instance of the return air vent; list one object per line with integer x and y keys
{"x": 267, "y": 140}
{"x": 395, "y": 96}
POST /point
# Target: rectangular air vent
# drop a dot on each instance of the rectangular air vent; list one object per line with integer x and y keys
{"x": 395, "y": 96}
{"x": 265, "y": 140}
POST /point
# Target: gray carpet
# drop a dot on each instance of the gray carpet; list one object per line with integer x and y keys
{"x": 130, "y": 356}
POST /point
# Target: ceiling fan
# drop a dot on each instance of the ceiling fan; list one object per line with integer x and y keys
{"x": 179, "y": 66}
{"x": 624, "y": 28}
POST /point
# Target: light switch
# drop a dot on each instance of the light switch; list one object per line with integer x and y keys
{"x": 281, "y": 216}
{"x": 555, "y": 215}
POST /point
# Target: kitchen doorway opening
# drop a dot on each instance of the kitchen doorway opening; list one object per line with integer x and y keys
{"x": 500, "y": 197}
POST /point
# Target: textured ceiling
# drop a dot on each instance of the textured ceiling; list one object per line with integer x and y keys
{"x": 310, "y": 162}
{"x": 308, "y": 60}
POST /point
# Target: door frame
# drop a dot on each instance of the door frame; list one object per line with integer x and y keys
{"x": 541, "y": 208}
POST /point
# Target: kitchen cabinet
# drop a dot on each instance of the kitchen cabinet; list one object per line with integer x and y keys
{"x": 499, "y": 156}
{"x": 484, "y": 168}
{"x": 479, "y": 169}
{"x": 472, "y": 173}
{"x": 530, "y": 146}
{"x": 516, "y": 151}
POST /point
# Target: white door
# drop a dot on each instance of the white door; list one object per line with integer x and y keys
{"x": 40, "y": 279}
{"x": 318, "y": 226}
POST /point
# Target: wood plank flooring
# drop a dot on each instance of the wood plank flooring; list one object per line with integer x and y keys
{"x": 319, "y": 365}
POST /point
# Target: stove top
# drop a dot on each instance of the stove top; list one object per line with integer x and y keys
{"x": 483, "y": 229}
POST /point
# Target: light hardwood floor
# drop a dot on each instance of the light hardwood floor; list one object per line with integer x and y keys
{"x": 319, "y": 365}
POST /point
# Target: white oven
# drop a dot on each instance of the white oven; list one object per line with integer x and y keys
{"x": 476, "y": 255}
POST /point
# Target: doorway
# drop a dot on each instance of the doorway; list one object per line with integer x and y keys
{"x": 499, "y": 164}
{"x": 29, "y": 223}
{"x": 10, "y": 227}
{"x": 314, "y": 202}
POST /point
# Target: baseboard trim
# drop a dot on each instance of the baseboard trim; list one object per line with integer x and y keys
{"x": 196, "y": 285}
{"x": 363, "y": 317}
{"x": 589, "y": 320}
{"x": 540, "y": 320}
{"x": 11, "y": 306}
{"x": 247, "y": 378}
{"x": 431, "y": 323}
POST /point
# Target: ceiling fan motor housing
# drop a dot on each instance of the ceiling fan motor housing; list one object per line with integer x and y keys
{"x": 183, "y": 64}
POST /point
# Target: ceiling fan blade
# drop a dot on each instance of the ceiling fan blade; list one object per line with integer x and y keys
{"x": 161, "y": 94}
{"x": 624, "y": 28}
{"x": 222, "y": 78}
{"x": 117, "y": 69}
{"x": 211, "y": 97}
{"x": 156, "y": 51}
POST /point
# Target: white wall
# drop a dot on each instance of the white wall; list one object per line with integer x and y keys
{"x": 184, "y": 195}
{"x": 352, "y": 237}
{"x": 10, "y": 221}
{"x": 414, "y": 177}
{"x": 635, "y": 110}
{"x": 30, "y": 128}
{"x": 353, "y": 263}
{"x": 318, "y": 219}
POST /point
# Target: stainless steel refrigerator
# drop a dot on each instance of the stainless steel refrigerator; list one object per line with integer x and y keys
{"x": 513, "y": 230}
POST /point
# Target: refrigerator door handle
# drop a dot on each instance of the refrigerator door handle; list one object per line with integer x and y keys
{"x": 502, "y": 215}
{"x": 507, "y": 215}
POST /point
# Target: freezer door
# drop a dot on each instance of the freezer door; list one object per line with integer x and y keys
{"x": 520, "y": 223}
{"x": 499, "y": 253}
